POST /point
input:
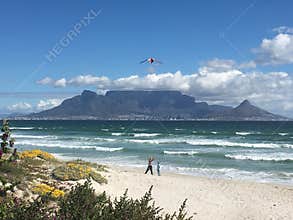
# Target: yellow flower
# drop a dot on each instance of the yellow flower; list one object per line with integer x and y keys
{"x": 44, "y": 189}
{"x": 36, "y": 153}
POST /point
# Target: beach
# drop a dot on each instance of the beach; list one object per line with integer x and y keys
{"x": 225, "y": 170}
{"x": 206, "y": 198}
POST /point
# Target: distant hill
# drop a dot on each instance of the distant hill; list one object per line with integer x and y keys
{"x": 149, "y": 105}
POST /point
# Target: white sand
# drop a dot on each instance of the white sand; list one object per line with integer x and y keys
{"x": 207, "y": 198}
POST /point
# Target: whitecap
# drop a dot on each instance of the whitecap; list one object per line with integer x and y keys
{"x": 33, "y": 136}
{"x": 105, "y": 139}
{"x": 225, "y": 143}
{"x": 146, "y": 135}
{"x": 261, "y": 157}
{"x": 75, "y": 146}
{"x": 242, "y": 133}
{"x": 22, "y": 128}
{"x": 157, "y": 141}
{"x": 190, "y": 153}
{"x": 283, "y": 134}
{"x": 116, "y": 134}
{"x": 109, "y": 149}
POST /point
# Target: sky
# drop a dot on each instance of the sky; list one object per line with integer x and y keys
{"x": 221, "y": 51}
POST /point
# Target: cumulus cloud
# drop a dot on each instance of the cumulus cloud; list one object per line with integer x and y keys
{"x": 219, "y": 65}
{"x": 275, "y": 51}
{"x": 56, "y": 83}
{"x": 47, "y": 104}
{"x": 60, "y": 82}
{"x": 45, "y": 81}
{"x": 216, "y": 83}
{"x": 216, "y": 65}
{"x": 20, "y": 107}
{"x": 25, "y": 107}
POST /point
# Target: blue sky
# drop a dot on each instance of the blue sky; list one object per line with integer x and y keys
{"x": 193, "y": 37}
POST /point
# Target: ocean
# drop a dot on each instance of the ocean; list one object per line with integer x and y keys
{"x": 253, "y": 151}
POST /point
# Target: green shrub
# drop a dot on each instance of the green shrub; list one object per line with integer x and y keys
{"x": 76, "y": 170}
{"x": 13, "y": 209}
{"x": 11, "y": 172}
{"x": 82, "y": 203}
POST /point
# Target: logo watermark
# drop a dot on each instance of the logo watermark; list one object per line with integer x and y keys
{"x": 73, "y": 33}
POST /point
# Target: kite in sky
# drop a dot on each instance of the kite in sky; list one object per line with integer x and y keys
{"x": 151, "y": 60}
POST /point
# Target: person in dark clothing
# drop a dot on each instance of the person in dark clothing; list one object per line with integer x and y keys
{"x": 150, "y": 167}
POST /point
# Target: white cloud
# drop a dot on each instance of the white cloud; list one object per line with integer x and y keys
{"x": 83, "y": 80}
{"x": 47, "y": 104}
{"x": 56, "y": 83}
{"x": 45, "y": 81}
{"x": 60, "y": 83}
{"x": 25, "y": 107}
{"x": 225, "y": 85}
{"x": 216, "y": 65}
{"x": 219, "y": 65}
{"x": 275, "y": 51}
{"x": 247, "y": 65}
{"x": 20, "y": 107}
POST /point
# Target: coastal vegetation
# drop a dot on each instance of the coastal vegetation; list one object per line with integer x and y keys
{"x": 35, "y": 185}
{"x": 78, "y": 169}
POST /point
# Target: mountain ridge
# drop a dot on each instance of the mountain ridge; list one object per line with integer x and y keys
{"x": 149, "y": 105}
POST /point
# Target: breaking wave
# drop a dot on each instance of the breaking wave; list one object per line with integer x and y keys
{"x": 22, "y": 128}
{"x": 146, "y": 135}
{"x": 190, "y": 153}
{"x": 261, "y": 157}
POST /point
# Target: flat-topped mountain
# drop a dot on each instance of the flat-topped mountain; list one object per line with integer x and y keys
{"x": 149, "y": 105}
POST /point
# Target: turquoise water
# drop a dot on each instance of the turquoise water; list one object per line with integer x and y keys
{"x": 258, "y": 151}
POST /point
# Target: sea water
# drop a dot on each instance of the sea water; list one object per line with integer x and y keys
{"x": 255, "y": 151}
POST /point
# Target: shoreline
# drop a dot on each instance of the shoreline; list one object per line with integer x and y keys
{"x": 207, "y": 198}
{"x": 168, "y": 171}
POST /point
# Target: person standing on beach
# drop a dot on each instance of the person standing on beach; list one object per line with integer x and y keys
{"x": 158, "y": 168}
{"x": 150, "y": 167}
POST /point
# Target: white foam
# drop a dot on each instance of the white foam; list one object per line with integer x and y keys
{"x": 33, "y": 136}
{"x": 224, "y": 143}
{"x": 262, "y": 157}
{"x": 109, "y": 149}
{"x": 139, "y": 129}
{"x": 22, "y": 128}
{"x": 283, "y": 134}
{"x": 48, "y": 143}
{"x": 232, "y": 173}
{"x": 214, "y": 132}
{"x": 38, "y": 144}
{"x": 146, "y": 135}
{"x": 103, "y": 139}
{"x": 156, "y": 141}
{"x": 104, "y": 129}
{"x": 116, "y": 134}
{"x": 190, "y": 153}
{"x": 209, "y": 142}
{"x": 75, "y": 145}
{"x": 242, "y": 133}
